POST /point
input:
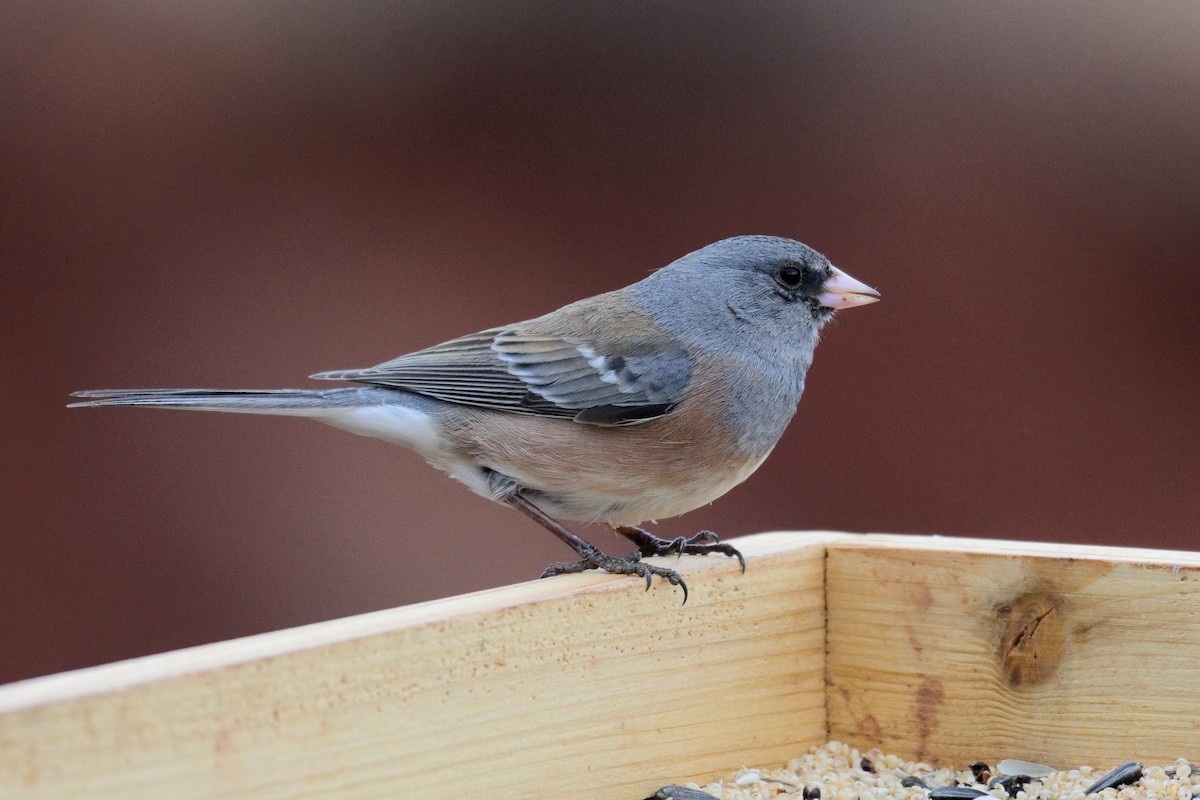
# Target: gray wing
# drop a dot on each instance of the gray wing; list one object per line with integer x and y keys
{"x": 507, "y": 369}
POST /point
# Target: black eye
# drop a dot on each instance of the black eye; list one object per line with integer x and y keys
{"x": 791, "y": 276}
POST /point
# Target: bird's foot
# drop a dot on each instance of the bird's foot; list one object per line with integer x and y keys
{"x": 631, "y": 564}
{"x": 701, "y": 544}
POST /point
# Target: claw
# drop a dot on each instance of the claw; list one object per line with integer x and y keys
{"x": 703, "y": 543}
{"x": 631, "y": 564}
{"x": 733, "y": 552}
{"x": 591, "y": 558}
{"x": 678, "y": 544}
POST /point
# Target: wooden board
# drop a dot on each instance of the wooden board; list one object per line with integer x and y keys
{"x": 578, "y": 687}
{"x": 946, "y": 650}
{"x": 953, "y": 650}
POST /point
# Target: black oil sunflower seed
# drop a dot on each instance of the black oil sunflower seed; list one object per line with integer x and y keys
{"x": 1129, "y": 772}
{"x": 680, "y": 793}
{"x": 956, "y": 793}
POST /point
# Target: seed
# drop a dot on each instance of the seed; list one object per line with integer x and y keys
{"x": 981, "y": 772}
{"x": 750, "y": 777}
{"x": 1015, "y": 766}
{"x": 956, "y": 793}
{"x": 680, "y": 793}
{"x": 1129, "y": 772}
{"x": 1012, "y": 784}
{"x": 836, "y": 770}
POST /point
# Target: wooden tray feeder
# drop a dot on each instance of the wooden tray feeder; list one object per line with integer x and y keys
{"x": 584, "y": 686}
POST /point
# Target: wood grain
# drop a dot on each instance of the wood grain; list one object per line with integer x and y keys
{"x": 582, "y": 686}
{"x": 951, "y": 650}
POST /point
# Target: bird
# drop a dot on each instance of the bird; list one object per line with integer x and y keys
{"x": 637, "y": 404}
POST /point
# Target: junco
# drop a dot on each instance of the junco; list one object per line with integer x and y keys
{"x": 633, "y": 405}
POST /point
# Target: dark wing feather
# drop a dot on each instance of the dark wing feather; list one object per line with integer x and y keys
{"x": 508, "y": 369}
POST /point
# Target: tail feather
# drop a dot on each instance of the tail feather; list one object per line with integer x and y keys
{"x": 389, "y": 414}
{"x": 302, "y": 402}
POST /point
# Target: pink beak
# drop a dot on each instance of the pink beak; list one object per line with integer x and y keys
{"x": 842, "y": 291}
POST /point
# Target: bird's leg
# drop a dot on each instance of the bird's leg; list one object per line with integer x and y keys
{"x": 701, "y": 544}
{"x": 589, "y": 556}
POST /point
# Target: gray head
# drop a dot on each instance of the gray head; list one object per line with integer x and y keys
{"x": 762, "y": 285}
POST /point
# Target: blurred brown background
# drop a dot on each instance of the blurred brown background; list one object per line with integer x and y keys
{"x": 239, "y": 194}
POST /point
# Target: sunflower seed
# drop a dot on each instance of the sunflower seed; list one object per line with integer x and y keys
{"x": 1129, "y": 772}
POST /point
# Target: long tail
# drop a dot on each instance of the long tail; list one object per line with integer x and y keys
{"x": 390, "y": 414}
{"x": 300, "y": 402}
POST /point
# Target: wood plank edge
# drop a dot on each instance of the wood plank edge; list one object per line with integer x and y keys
{"x": 126, "y": 674}
{"x": 1010, "y": 547}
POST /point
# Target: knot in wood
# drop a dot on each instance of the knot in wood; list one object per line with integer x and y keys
{"x": 1031, "y": 637}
